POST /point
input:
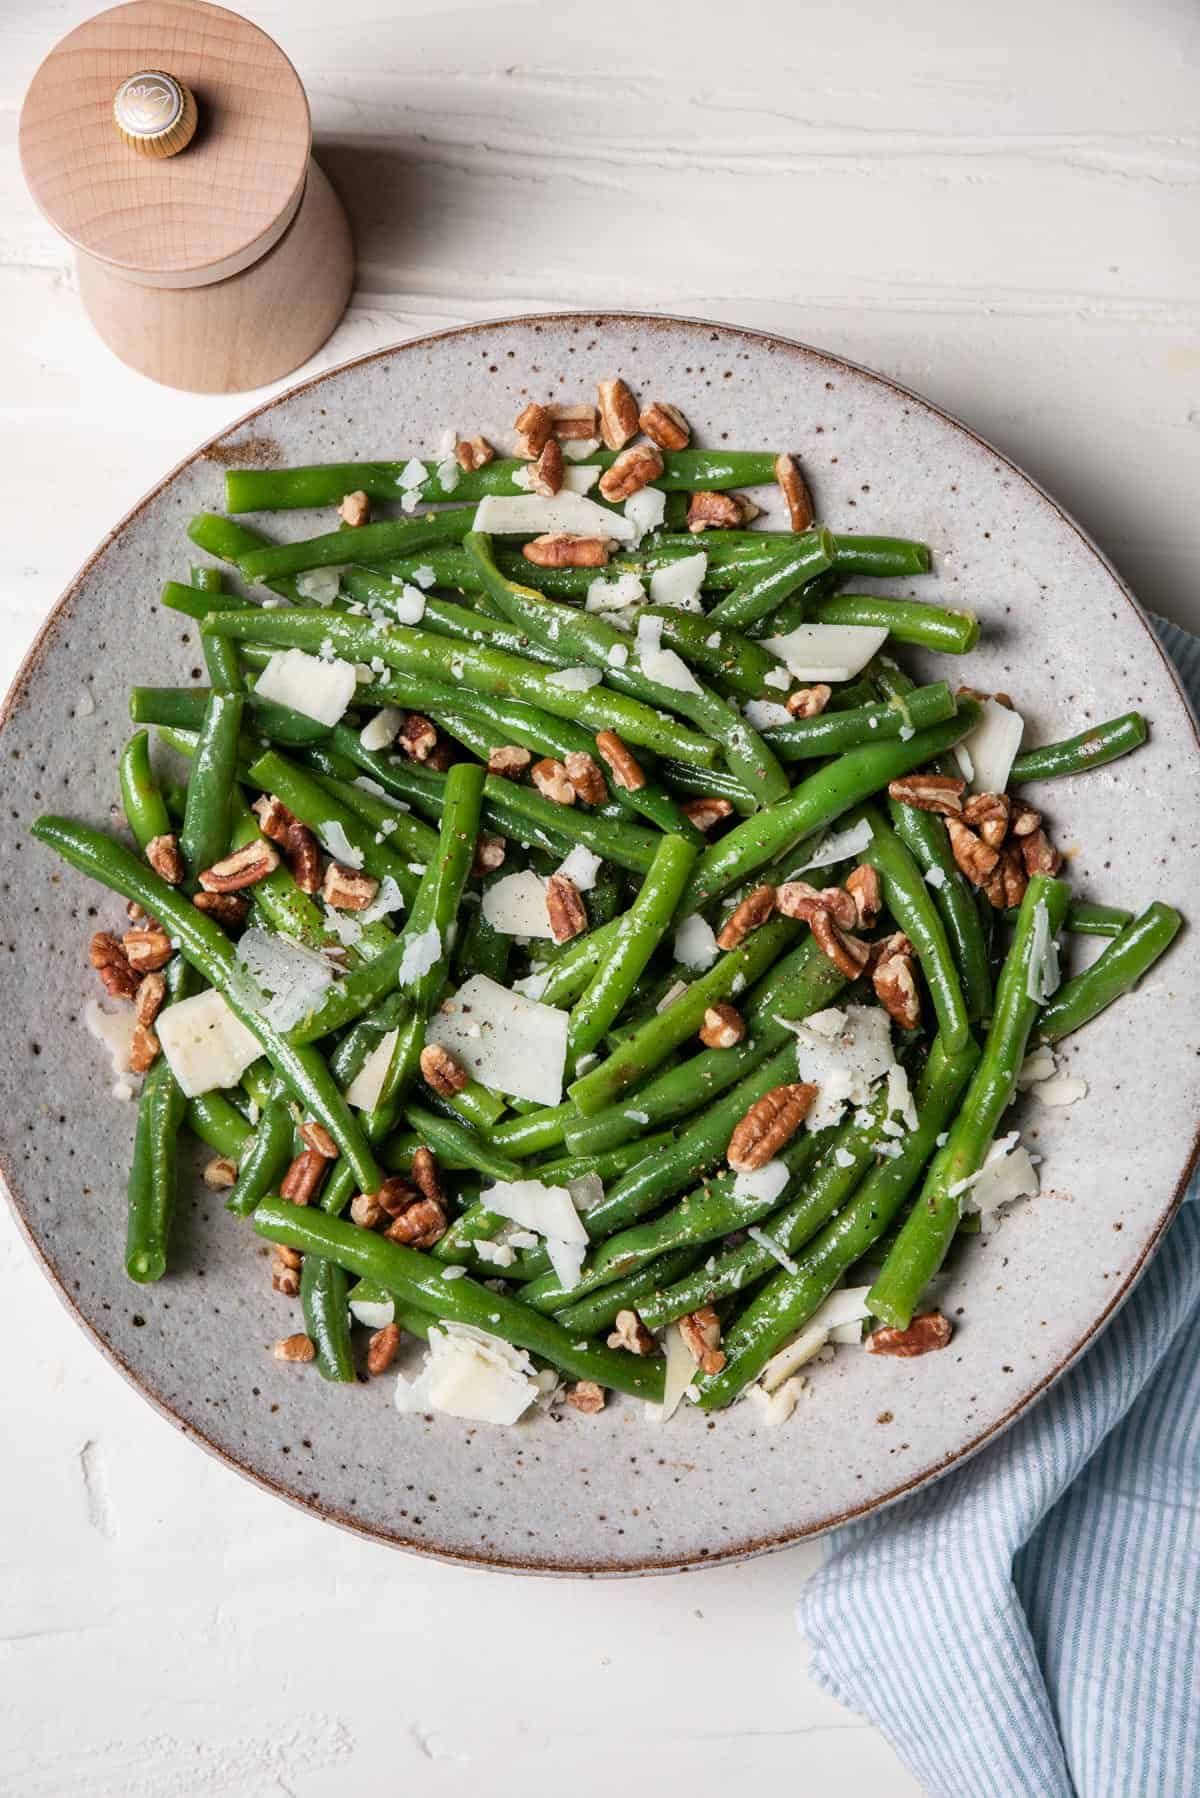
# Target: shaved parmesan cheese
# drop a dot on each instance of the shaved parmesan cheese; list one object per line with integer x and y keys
{"x": 618, "y": 655}
{"x": 836, "y": 846}
{"x": 899, "y": 1096}
{"x": 776, "y": 1407}
{"x": 675, "y": 991}
{"x": 382, "y": 729}
{"x": 843, "y": 1063}
{"x": 936, "y": 876}
{"x": 668, "y": 669}
{"x": 575, "y": 680}
{"x": 638, "y": 1117}
{"x": 496, "y": 1254}
{"x": 579, "y": 480}
{"x": 388, "y": 899}
{"x": 966, "y": 766}
{"x": 412, "y": 476}
{"x": 774, "y": 677}
{"x": 847, "y": 1305}
{"x": 581, "y": 867}
{"x": 364, "y": 1090}
{"x": 586, "y": 1190}
{"x": 115, "y": 1030}
{"x": 321, "y": 690}
{"x": 846, "y": 1333}
{"x": 765, "y": 1183}
{"x": 421, "y": 952}
{"x": 695, "y": 944}
{"x": 566, "y": 1258}
{"x": 1007, "y": 1174}
{"x": 649, "y": 634}
{"x": 827, "y": 651}
{"x": 992, "y": 747}
{"x": 332, "y": 836}
{"x": 375, "y": 1314}
{"x": 1044, "y": 976}
{"x": 550, "y": 1211}
{"x": 532, "y": 986}
{"x": 613, "y": 596}
{"x": 578, "y": 449}
{"x": 410, "y": 607}
{"x": 344, "y": 925}
{"x": 320, "y": 585}
{"x": 205, "y": 1043}
{"x": 678, "y": 583}
{"x": 773, "y": 1247}
{"x": 531, "y": 516}
{"x": 505, "y": 1040}
{"x": 680, "y": 1372}
{"x": 470, "y": 1374}
{"x": 646, "y": 509}
{"x": 764, "y": 714}
{"x": 1038, "y": 1066}
{"x": 516, "y": 905}
{"x": 295, "y": 977}
{"x": 1062, "y": 1089}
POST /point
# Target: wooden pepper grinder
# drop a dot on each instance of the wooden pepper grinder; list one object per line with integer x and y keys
{"x": 169, "y": 141}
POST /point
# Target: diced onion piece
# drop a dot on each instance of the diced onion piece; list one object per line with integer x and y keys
{"x": 827, "y": 652}
{"x": 506, "y": 1041}
{"x": 319, "y": 689}
{"x": 528, "y": 515}
{"x": 206, "y": 1045}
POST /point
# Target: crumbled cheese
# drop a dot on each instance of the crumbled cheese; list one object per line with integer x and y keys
{"x": 320, "y": 585}
{"x": 695, "y": 945}
{"x": 645, "y": 510}
{"x": 424, "y": 576}
{"x": 827, "y": 652}
{"x": 581, "y": 867}
{"x": 1061, "y": 1089}
{"x": 668, "y": 669}
{"x": 1038, "y": 1066}
{"x": 774, "y": 1408}
{"x": 454, "y": 1272}
{"x": 899, "y": 1096}
{"x": 449, "y": 474}
{"x": 388, "y": 899}
{"x": 992, "y": 747}
{"x": 843, "y": 1053}
{"x": 678, "y": 583}
{"x": 531, "y": 516}
{"x": 966, "y": 766}
{"x": 846, "y": 1305}
{"x": 550, "y": 1211}
{"x": 205, "y": 1043}
{"x": 421, "y": 952}
{"x": 680, "y": 1372}
{"x": 714, "y": 642}
{"x": 320, "y": 690}
{"x": 472, "y": 1375}
{"x": 936, "y": 876}
{"x": 1043, "y": 976}
{"x": 331, "y": 834}
{"x": 575, "y": 680}
{"x": 532, "y": 986}
{"x": 496, "y": 1254}
{"x": 114, "y": 1029}
{"x": 516, "y": 905}
{"x": 613, "y": 596}
{"x": 764, "y": 714}
{"x": 375, "y": 1314}
{"x": 85, "y": 705}
{"x": 367, "y": 785}
{"x": 578, "y": 449}
{"x": 675, "y": 991}
{"x": 364, "y": 1090}
{"x": 618, "y": 655}
{"x": 414, "y": 474}
{"x": 1007, "y": 1174}
{"x": 843, "y": 1157}
{"x": 776, "y": 677}
{"x": 410, "y": 607}
{"x": 774, "y": 1248}
{"x": 382, "y": 729}
{"x": 344, "y": 925}
{"x": 504, "y": 1039}
{"x": 763, "y": 1183}
{"x": 579, "y": 480}
{"x": 296, "y": 978}
{"x": 638, "y": 1117}
{"x": 363, "y": 674}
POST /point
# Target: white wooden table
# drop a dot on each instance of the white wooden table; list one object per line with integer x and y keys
{"x": 996, "y": 208}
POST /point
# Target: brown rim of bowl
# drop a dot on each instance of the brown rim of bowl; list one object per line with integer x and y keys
{"x": 753, "y": 1545}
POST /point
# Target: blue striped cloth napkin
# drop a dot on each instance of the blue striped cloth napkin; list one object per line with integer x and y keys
{"x": 1028, "y": 1626}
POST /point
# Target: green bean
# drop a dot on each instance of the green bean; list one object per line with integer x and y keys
{"x": 487, "y": 670}
{"x": 910, "y": 901}
{"x": 922, "y": 1244}
{"x": 370, "y": 543}
{"x": 906, "y": 620}
{"x": 640, "y": 931}
{"x": 154, "y": 1176}
{"x": 315, "y": 806}
{"x": 277, "y": 903}
{"x": 598, "y": 1311}
{"x": 533, "y": 1133}
{"x": 423, "y": 789}
{"x": 924, "y": 836}
{"x": 453, "y": 1140}
{"x": 832, "y": 733}
{"x": 230, "y": 541}
{"x": 417, "y": 1280}
{"x": 1093, "y": 747}
{"x": 788, "y": 1299}
{"x": 883, "y": 557}
{"x": 740, "y": 665}
{"x": 378, "y": 591}
{"x": 764, "y": 589}
{"x": 266, "y": 1158}
{"x": 481, "y": 948}
{"x": 145, "y": 812}
{"x": 208, "y": 949}
{"x": 218, "y": 1124}
{"x": 221, "y": 658}
{"x": 650, "y": 1046}
{"x": 323, "y": 1293}
{"x": 818, "y": 801}
{"x": 204, "y": 838}
{"x": 1086, "y": 919}
{"x": 628, "y": 845}
{"x": 708, "y": 783}
{"x": 1120, "y": 966}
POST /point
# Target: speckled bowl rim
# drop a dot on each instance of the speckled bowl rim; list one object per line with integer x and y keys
{"x": 737, "y": 1551}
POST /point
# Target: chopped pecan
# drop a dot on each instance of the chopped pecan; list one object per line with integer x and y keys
{"x": 302, "y": 1181}
{"x": 489, "y": 855}
{"x": 397, "y": 1195}
{"x": 567, "y": 549}
{"x": 849, "y": 954}
{"x": 666, "y": 426}
{"x": 473, "y": 452}
{"x": 440, "y": 1070}
{"x": 229, "y": 909}
{"x": 244, "y": 868}
{"x": 865, "y": 888}
{"x": 419, "y": 1225}
{"x": 365, "y": 1210}
{"x": 701, "y": 1332}
{"x": 152, "y": 990}
{"x": 895, "y": 982}
{"x": 355, "y": 509}
{"x": 770, "y": 1123}
{"x": 723, "y": 1026}
{"x": 718, "y": 511}
{"x": 972, "y": 855}
{"x": 546, "y": 473}
{"x": 274, "y": 818}
{"x": 294, "y": 1348}
{"x": 565, "y": 908}
{"x": 417, "y": 737}
{"x": 135, "y": 912}
{"x": 796, "y": 899}
{"x": 534, "y": 425}
{"x": 508, "y": 760}
{"x": 146, "y": 950}
{"x": 575, "y": 423}
{"x": 809, "y": 702}
{"x": 586, "y": 1396}
{"x": 297, "y": 841}
{"x": 747, "y": 508}
{"x": 440, "y": 757}
{"x": 705, "y": 813}
{"x": 1024, "y": 820}
{"x": 795, "y": 492}
{"x": 284, "y": 1279}
{"x": 427, "y": 1175}
{"x": 143, "y": 1049}
{"x": 623, "y": 765}
{"x": 220, "y": 1173}
{"x": 316, "y": 1137}
{"x": 163, "y": 854}
{"x": 988, "y": 813}
{"x": 632, "y": 470}
{"x": 928, "y": 1331}
{"x": 1007, "y": 883}
{"x": 289, "y": 1257}
{"x": 940, "y": 793}
{"x": 618, "y": 413}
{"x": 631, "y": 1334}
{"x": 348, "y": 889}
{"x": 1039, "y": 854}
{"x": 585, "y": 776}
{"x": 382, "y": 1349}
{"x": 754, "y": 910}
{"x": 550, "y": 779}
{"x": 112, "y": 964}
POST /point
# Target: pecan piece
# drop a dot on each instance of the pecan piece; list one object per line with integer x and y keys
{"x": 220, "y": 1173}
{"x": 382, "y": 1349}
{"x": 302, "y": 1181}
{"x": 550, "y": 779}
{"x": 146, "y": 950}
{"x": 632, "y": 470}
{"x": 417, "y": 738}
{"x": 719, "y": 511}
{"x": 365, "y": 1210}
{"x": 112, "y": 964}
{"x": 473, "y": 452}
{"x": 769, "y": 1124}
{"x": 297, "y": 841}
{"x": 723, "y": 1026}
{"x": 152, "y": 990}
{"x": 355, "y": 509}
{"x": 971, "y": 854}
{"x": 427, "y": 1175}
{"x": 1039, "y": 854}
{"x": 940, "y": 793}
{"x": 546, "y": 473}
{"x": 705, "y": 813}
{"x": 533, "y": 427}
{"x": 988, "y": 813}
{"x": 316, "y": 1137}
{"x": 440, "y": 1070}
{"x": 586, "y": 1396}
{"x": 796, "y": 899}
{"x": 508, "y": 760}
{"x": 244, "y": 868}
{"x": 809, "y": 702}
{"x": 631, "y": 1333}
{"x": 1024, "y": 820}
{"x": 866, "y": 890}
{"x": 229, "y": 909}
{"x": 567, "y": 549}
{"x": 440, "y": 757}
{"x": 623, "y": 765}
{"x": 795, "y": 492}
{"x": 419, "y": 1225}
{"x": 294, "y": 1348}
{"x": 849, "y": 954}
{"x": 666, "y": 426}
{"x": 143, "y": 1049}
{"x": 565, "y": 908}
{"x": 575, "y": 423}
{"x": 274, "y": 818}
{"x": 348, "y": 889}
{"x": 701, "y": 1332}
{"x": 284, "y": 1279}
{"x": 928, "y": 1331}
{"x": 895, "y": 982}
{"x": 164, "y": 857}
{"x": 585, "y": 777}
{"x": 618, "y": 413}
{"x": 489, "y": 855}
{"x": 1007, "y": 884}
{"x": 754, "y": 910}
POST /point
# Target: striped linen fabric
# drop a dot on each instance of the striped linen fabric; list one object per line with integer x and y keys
{"x": 1027, "y": 1627}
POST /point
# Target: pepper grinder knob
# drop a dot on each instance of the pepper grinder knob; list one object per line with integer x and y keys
{"x": 155, "y": 113}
